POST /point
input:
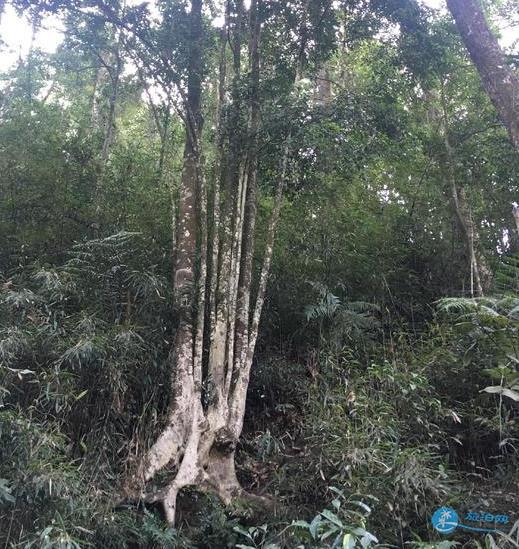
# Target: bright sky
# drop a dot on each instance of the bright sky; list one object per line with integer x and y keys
{"x": 15, "y": 33}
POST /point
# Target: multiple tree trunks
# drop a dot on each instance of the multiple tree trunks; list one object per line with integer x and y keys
{"x": 213, "y": 283}
{"x": 213, "y": 286}
{"x": 499, "y": 80}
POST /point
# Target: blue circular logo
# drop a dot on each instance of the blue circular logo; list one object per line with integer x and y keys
{"x": 445, "y": 520}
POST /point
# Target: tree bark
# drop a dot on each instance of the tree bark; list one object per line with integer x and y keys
{"x": 216, "y": 334}
{"x": 323, "y": 92}
{"x": 466, "y": 223}
{"x": 479, "y": 272}
{"x": 115, "y": 75}
{"x": 178, "y": 442}
{"x": 95, "y": 97}
{"x": 515, "y": 213}
{"x": 245, "y": 277}
{"x": 498, "y": 79}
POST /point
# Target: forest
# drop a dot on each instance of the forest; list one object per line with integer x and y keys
{"x": 259, "y": 274}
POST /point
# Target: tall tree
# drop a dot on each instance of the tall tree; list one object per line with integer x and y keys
{"x": 498, "y": 79}
{"x": 218, "y": 300}
{"x": 218, "y": 323}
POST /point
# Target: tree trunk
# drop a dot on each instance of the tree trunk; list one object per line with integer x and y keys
{"x": 498, "y": 79}
{"x": 515, "y": 212}
{"x": 323, "y": 92}
{"x": 480, "y": 274}
{"x": 115, "y": 75}
{"x": 513, "y": 234}
{"x": 95, "y": 99}
{"x": 179, "y": 441}
{"x": 216, "y": 334}
{"x": 466, "y": 223}
{"x": 194, "y": 443}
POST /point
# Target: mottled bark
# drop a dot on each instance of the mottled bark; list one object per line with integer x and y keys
{"x": 177, "y": 444}
{"x": 498, "y": 79}
{"x": 216, "y": 331}
{"x": 238, "y": 399}
{"x": 250, "y": 208}
{"x": 218, "y": 173}
{"x": 515, "y": 213}
{"x": 228, "y": 211}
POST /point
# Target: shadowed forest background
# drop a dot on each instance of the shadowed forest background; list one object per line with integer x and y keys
{"x": 310, "y": 204}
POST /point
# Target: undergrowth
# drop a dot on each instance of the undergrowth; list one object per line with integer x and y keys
{"x": 358, "y": 441}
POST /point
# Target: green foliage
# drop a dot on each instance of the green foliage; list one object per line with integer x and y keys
{"x": 486, "y": 330}
{"x": 342, "y": 526}
{"x": 506, "y": 277}
{"x": 348, "y": 322}
{"x": 72, "y": 346}
{"x": 362, "y": 380}
{"x": 255, "y": 537}
{"x": 379, "y": 435}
